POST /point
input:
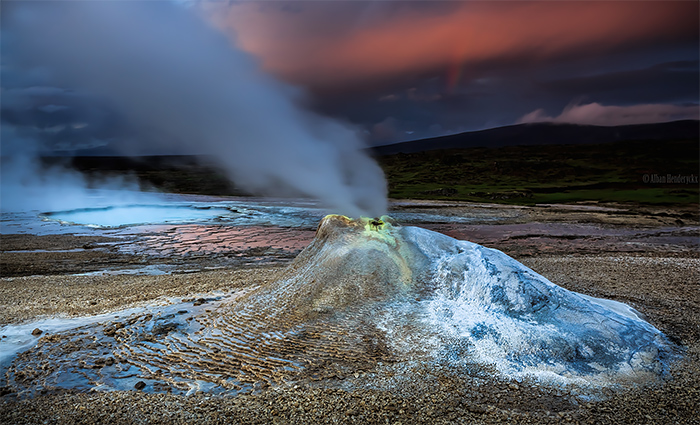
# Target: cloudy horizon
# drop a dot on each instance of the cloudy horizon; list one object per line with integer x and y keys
{"x": 405, "y": 70}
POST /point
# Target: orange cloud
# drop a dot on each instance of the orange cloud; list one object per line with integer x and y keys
{"x": 319, "y": 46}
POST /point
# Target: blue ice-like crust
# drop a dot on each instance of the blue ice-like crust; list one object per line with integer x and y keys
{"x": 468, "y": 305}
{"x": 513, "y": 318}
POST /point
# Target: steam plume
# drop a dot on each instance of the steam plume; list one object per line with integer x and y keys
{"x": 166, "y": 69}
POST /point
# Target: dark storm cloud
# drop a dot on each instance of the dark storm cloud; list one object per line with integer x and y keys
{"x": 505, "y": 95}
{"x": 52, "y": 120}
{"x": 325, "y": 44}
{"x": 167, "y": 70}
{"x": 665, "y": 82}
{"x": 430, "y": 68}
{"x": 411, "y": 69}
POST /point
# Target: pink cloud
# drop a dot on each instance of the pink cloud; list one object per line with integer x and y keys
{"x": 597, "y": 114}
{"x": 326, "y": 44}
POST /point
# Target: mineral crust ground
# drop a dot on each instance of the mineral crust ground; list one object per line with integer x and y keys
{"x": 647, "y": 258}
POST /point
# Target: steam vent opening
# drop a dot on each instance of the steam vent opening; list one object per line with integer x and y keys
{"x": 367, "y": 303}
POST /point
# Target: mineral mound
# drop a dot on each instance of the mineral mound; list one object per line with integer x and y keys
{"x": 364, "y": 292}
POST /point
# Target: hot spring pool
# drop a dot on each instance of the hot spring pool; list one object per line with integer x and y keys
{"x": 129, "y": 215}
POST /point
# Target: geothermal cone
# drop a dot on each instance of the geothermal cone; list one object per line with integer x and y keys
{"x": 363, "y": 291}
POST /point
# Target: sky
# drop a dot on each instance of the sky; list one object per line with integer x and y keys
{"x": 405, "y": 70}
{"x": 409, "y": 69}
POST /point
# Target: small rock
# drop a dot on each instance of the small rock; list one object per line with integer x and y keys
{"x": 164, "y": 328}
{"x": 140, "y": 385}
{"x": 37, "y": 332}
{"x": 476, "y": 408}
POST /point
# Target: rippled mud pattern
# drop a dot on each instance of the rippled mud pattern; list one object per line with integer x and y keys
{"x": 648, "y": 260}
{"x": 182, "y": 352}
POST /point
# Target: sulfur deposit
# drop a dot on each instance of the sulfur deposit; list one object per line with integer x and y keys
{"x": 364, "y": 293}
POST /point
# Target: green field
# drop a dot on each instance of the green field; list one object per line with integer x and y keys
{"x": 611, "y": 172}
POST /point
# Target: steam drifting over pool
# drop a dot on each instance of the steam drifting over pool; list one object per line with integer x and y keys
{"x": 183, "y": 88}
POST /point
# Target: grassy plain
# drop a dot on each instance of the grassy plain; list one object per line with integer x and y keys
{"x": 611, "y": 172}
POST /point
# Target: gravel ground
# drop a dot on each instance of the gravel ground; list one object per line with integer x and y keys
{"x": 665, "y": 290}
{"x": 665, "y": 287}
{"x": 33, "y": 297}
{"x": 674, "y": 402}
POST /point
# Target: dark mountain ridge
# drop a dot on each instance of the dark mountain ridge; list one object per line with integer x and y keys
{"x": 547, "y": 134}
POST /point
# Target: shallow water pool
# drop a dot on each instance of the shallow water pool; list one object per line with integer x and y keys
{"x": 130, "y": 215}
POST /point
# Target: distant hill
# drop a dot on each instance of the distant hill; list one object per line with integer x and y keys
{"x": 547, "y": 134}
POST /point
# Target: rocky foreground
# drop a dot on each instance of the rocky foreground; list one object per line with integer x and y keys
{"x": 664, "y": 286}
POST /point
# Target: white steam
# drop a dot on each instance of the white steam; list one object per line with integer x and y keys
{"x": 167, "y": 70}
{"x": 26, "y": 184}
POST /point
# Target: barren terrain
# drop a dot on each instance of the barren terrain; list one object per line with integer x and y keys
{"x": 646, "y": 257}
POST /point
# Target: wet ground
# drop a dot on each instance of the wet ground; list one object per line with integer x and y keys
{"x": 644, "y": 256}
{"x": 200, "y": 233}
